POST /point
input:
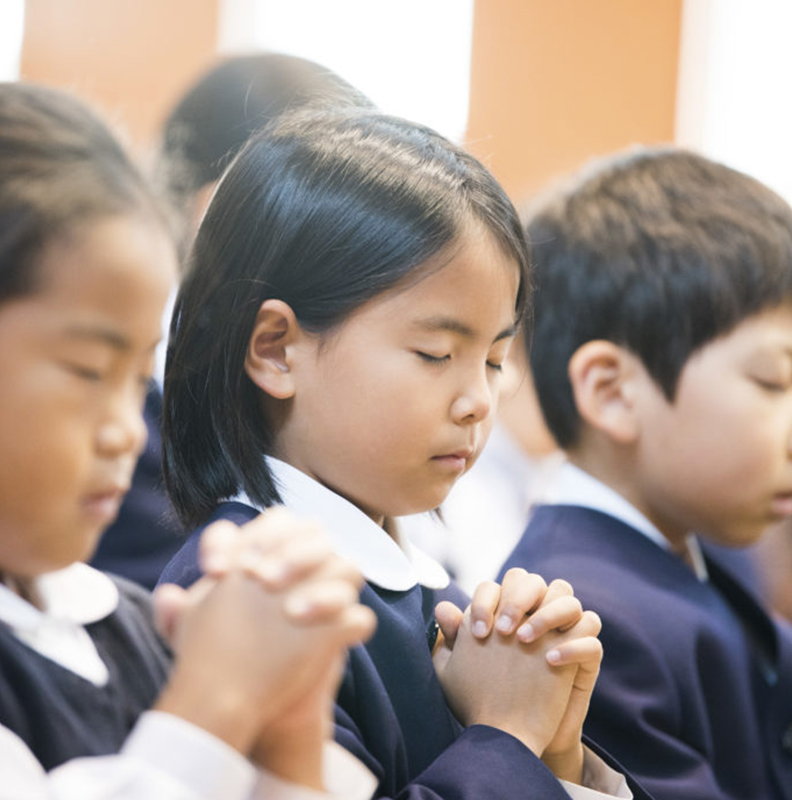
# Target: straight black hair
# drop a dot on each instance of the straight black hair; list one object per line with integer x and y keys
{"x": 323, "y": 211}
{"x": 59, "y": 166}
{"x": 658, "y": 250}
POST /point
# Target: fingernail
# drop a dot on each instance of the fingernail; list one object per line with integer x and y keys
{"x": 480, "y": 628}
{"x": 214, "y": 563}
{"x": 526, "y": 632}
{"x": 269, "y": 570}
{"x": 504, "y": 624}
{"x": 297, "y": 606}
{"x": 553, "y": 656}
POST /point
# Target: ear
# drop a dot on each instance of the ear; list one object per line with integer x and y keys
{"x": 602, "y": 375}
{"x": 268, "y": 359}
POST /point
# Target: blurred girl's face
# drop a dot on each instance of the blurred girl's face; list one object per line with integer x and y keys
{"x": 75, "y": 358}
{"x": 392, "y": 407}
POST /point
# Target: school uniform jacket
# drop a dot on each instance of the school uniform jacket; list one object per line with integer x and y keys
{"x": 695, "y": 692}
{"x": 391, "y": 712}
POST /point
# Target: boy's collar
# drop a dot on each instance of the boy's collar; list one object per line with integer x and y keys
{"x": 576, "y": 487}
{"x": 391, "y": 562}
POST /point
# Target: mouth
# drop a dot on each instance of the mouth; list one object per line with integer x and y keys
{"x": 782, "y": 504}
{"x": 456, "y": 461}
{"x": 104, "y": 504}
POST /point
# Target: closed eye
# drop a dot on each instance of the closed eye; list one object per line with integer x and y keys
{"x": 86, "y": 373}
{"x": 430, "y": 359}
{"x": 771, "y": 386}
{"x": 496, "y": 367}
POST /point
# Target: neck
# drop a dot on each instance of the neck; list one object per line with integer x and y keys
{"x": 614, "y": 475}
{"x": 24, "y": 588}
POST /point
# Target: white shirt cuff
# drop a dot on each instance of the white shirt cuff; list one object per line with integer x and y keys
{"x": 190, "y": 755}
{"x": 599, "y": 781}
{"x": 345, "y": 778}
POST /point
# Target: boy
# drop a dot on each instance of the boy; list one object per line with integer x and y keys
{"x": 662, "y": 356}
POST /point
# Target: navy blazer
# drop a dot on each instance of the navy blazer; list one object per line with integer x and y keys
{"x": 695, "y": 692}
{"x": 391, "y": 712}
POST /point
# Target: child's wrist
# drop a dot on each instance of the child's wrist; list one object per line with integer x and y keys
{"x": 293, "y": 753}
{"x": 567, "y": 764}
{"x": 227, "y": 715}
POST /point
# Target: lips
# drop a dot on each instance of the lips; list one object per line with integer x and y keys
{"x": 782, "y": 504}
{"x": 457, "y": 460}
{"x": 104, "y": 503}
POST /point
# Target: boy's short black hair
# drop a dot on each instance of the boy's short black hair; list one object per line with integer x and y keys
{"x": 657, "y": 250}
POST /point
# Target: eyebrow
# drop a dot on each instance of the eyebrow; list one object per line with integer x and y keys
{"x": 99, "y": 334}
{"x": 453, "y": 325}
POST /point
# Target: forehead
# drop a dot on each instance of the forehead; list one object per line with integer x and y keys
{"x": 115, "y": 271}
{"x": 473, "y": 276}
{"x": 771, "y": 327}
{"x": 765, "y": 334}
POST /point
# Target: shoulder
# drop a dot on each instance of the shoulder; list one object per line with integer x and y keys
{"x": 183, "y": 569}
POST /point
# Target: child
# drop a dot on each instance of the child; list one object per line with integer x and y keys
{"x": 661, "y": 355}
{"x": 86, "y": 263}
{"x": 337, "y": 347}
{"x": 201, "y": 134}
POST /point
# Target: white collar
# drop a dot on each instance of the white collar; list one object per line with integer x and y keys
{"x": 577, "y": 488}
{"x": 393, "y": 563}
{"x": 72, "y": 598}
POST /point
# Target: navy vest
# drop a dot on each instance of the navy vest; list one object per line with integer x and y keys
{"x": 60, "y": 715}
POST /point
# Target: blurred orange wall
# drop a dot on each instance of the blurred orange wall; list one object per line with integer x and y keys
{"x": 553, "y": 81}
{"x": 557, "y": 81}
{"x": 131, "y": 57}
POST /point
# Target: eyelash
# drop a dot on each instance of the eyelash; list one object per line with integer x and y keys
{"x": 85, "y": 372}
{"x": 432, "y": 359}
{"x": 770, "y": 386}
{"x": 443, "y": 359}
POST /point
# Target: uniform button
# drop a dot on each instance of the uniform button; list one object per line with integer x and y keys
{"x": 786, "y": 739}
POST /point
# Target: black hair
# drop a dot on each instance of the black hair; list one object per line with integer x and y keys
{"x": 323, "y": 211}
{"x": 230, "y": 102}
{"x": 59, "y": 166}
{"x": 658, "y": 250}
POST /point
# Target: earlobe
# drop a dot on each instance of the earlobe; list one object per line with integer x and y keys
{"x": 269, "y": 353}
{"x": 602, "y": 374}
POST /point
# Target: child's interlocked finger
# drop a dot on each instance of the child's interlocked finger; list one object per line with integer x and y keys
{"x": 521, "y": 593}
{"x": 319, "y": 601}
{"x": 580, "y": 645}
{"x": 586, "y": 652}
{"x": 560, "y": 614}
{"x": 483, "y": 606}
{"x": 291, "y": 560}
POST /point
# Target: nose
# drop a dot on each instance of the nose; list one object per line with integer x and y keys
{"x": 475, "y": 402}
{"x": 123, "y": 430}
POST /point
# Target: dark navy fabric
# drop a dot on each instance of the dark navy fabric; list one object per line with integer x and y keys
{"x": 695, "y": 692}
{"x": 146, "y": 534}
{"x": 391, "y": 712}
{"x": 60, "y": 715}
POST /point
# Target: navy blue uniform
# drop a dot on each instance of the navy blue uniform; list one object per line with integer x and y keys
{"x": 695, "y": 692}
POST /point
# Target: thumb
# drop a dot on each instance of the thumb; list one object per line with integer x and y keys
{"x": 449, "y": 618}
{"x": 169, "y": 601}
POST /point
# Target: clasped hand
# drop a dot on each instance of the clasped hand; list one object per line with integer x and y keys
{"x": 524, "y": 658}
